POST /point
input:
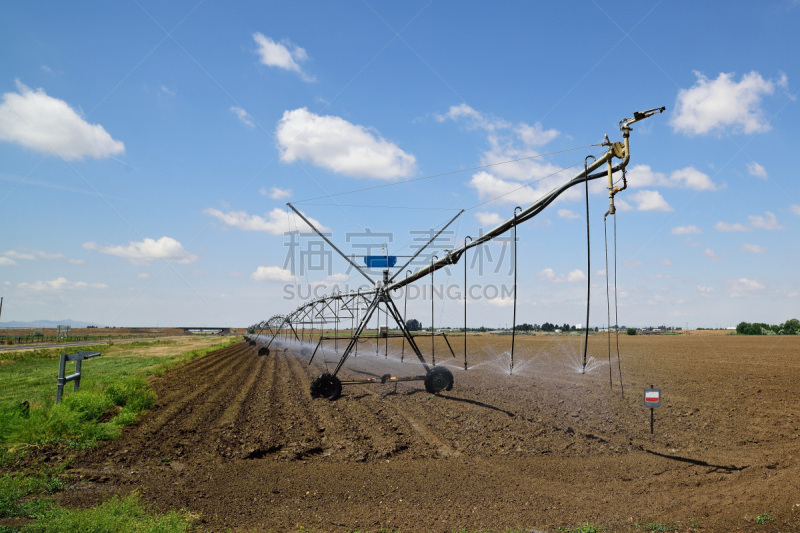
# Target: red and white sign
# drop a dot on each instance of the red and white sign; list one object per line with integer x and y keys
{"x": 652, "y": 398}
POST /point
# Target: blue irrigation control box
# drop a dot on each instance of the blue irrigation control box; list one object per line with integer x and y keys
{"x": 380, "y": 261}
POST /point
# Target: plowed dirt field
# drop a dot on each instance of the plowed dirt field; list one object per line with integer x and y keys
{"x": 236, "y": 438}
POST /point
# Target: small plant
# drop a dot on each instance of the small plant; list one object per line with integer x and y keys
{"x": 588, "y": 527}
{"x": 658, "y": 526}
{"x": 763, "y": 518}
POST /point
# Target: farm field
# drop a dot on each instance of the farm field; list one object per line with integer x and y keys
{"x": 237, "y": 439}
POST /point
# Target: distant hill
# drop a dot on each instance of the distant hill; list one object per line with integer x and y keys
{"x": 48, "y": 324}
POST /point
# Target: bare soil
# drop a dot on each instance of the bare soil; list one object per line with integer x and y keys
{"x": 237, "y": 439}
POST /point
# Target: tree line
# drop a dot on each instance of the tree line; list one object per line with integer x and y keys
{"x": 790, "y": 327}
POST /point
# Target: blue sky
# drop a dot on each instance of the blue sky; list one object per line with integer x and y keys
{"x": 148, "y": 149}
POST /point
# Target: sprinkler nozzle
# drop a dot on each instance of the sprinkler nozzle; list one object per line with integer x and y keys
{"x": 583, "y": 369}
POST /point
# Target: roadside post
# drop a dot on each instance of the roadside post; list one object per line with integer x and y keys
{"x": 652, "y": 399}
{"x": 78, "y": 357}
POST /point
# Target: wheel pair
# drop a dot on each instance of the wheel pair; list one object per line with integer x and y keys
{"x": 438, "y": 379}
{"x": 326, "y": 386}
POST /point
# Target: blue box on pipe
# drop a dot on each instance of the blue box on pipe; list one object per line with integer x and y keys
{"x": 380, "y": 261}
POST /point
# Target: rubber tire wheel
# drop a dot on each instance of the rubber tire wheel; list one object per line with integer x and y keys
{"x": 263, "y": 351}
{"x": 252, "y": 343}
{"x": 438, "y": 379}
{"x": 326, "y": 386}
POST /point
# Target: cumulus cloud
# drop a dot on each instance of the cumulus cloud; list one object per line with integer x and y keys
{"x": 795, "y": 209}
{"x": 486, "y": 219}
{"x": 340, "y": 146}
{"x": 743, "y": 287}
{"x": 32, "y": 254}
{"x": 768, "y": 221}
{"x": 723, "y": 103}
{"x": 7, "y": 261}
{"x": 147, "y": 250}
{"x": 687, "y": 178}
{"x": 754, "y": 169}
{"x": 711, "y": 254}
{"x": 243, "y": 116}
{"x": 275, "y": 193}
{"x": 276, "y": 222}
{"x": 568, "y": 214}
{"x": 685, "y": 230}
{"x": 58, "y": 284}
{"x": 284, "y": 55}
{"x": 727, "y": 227}
{"x": 40, "y": 122}
{"x": 753, "y": 248}
{"x": 649, "y": 201}
{"x": 272, "y": 273}
{"x": 574, "y": 276}
{"x": 507, "y": 301}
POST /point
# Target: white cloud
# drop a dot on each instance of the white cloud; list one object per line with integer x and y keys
{"x": 475, "y": 119}
{"x": 795, "y": 209}
{"x": 753, "y": 248}
{"x": 276, "y": 222}
{"x": 666, "y": 261}
{"x": 275, "y": 193}
{"x": 649, "y": 201}
{"x": 285, "y": 55}
{"x": 58, "y": 284}
{"x": 744, "y": 287}
{"x": 768, "y": 222}
{"x": 711, "y": 254}
{"x": 535, "y": 135}
{"x": 574, "y": 276}
{"x": 631, "y": 263}
{"x": 490, "y": 220}
{"x": 340, "y": 146}
{"x": 7, "y": 261}
{"x": 243, "y": 116}
{"x": 568, "y": 214}
{"x": 32, "y": 254}
{"x": 530, "y": 135}
{"x": 754, "y": 169}
{"x": 685, "y": 230}
{"x": 508, "y": 301}
{"x": 143, "y": 275}
{"x": 43, "y": 123}
{"x": 272, "y": 273}
{"x": 716, "y": 105}
{"x": 147, "y": 250}
{"x": 727, "y": 227}
{"x": 705, "y": 291}
{"x": 687, "y": 178}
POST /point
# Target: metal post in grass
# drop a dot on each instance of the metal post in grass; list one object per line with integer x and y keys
{"x": 78, "y": 357}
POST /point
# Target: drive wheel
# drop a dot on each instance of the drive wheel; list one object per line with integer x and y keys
{"x": 263, "y": 351}
{"x": 438, "y": 379}
{"x": 326, "y": 386}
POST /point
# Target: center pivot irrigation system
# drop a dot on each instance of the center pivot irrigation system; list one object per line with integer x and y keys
{"x": 357, "y": 308}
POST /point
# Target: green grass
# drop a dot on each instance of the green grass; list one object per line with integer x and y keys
{"x": 763, "y": 518}
{"x": 583, "y": 528}
{"x": 121, "y": 515}
{"x": 113, "y": 393}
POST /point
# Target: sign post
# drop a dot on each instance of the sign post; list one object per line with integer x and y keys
{"x": 652, "y": 399}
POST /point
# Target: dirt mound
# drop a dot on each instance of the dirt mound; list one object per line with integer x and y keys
{"x": 237, "y": 438}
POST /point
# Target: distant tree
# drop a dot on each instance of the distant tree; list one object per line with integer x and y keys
{"x": 631, "y": 331}
{"x": 413, "y": 325}
{"x": 565, "y": 327}
{"x": 791, "y": 327}
{"x": 548, "y": 327}
{"x": 596, "y": 329}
